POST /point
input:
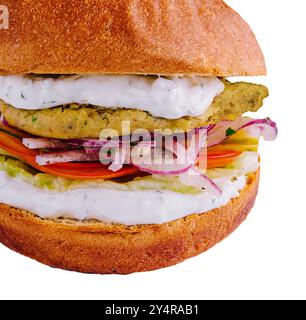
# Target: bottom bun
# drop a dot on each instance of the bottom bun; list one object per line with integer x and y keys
{"x": 95, "y": 247}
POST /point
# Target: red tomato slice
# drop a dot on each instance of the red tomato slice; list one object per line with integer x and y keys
{"x": 219, "y": 159}
{"x": 87, "y": 173}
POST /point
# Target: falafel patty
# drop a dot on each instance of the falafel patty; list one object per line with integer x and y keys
{"x": 83, "y": 121}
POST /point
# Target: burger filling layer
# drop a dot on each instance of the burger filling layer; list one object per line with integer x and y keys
{"x": 149, "y": 200}
{"x": 127, "y": 149}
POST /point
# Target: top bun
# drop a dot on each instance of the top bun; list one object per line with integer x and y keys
{"x": 166, "y": 37}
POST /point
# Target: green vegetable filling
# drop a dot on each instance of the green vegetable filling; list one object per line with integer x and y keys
{"x": 18, "y": 169}
{"x": 230, "y": 132}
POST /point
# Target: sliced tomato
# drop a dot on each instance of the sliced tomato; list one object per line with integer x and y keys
{"x": 87, "y": 173}
{"x": 68, "y": 170}
{"x": 220, "y": 158}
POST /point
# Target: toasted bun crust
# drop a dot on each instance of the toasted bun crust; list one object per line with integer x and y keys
{"x": 128, "y": 36}
{"x": 99, "y": 248}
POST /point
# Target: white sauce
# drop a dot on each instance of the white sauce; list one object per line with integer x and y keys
{"x": 114, "y": 206}
{"x": 170, "y": 98}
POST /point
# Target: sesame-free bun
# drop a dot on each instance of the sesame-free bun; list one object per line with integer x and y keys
{"x": 128, "y": 37}
{"x": 94, "y": 247}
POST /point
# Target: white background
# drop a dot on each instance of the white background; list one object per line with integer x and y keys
{"x": 266, "y": 257}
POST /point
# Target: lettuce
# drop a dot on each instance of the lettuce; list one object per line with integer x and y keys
{"x": 17, "y": 169}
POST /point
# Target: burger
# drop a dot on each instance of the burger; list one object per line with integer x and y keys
{"x": 123, "y": 144}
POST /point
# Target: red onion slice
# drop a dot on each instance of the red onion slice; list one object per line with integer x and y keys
{"x": 92, "y": 150}
{"x": 156, "y": 161}
{"x": 210, "y": 128}
{"x": 4, "y": 121}
{"x": 95, "y": 143}
{"x": 189, "y": 154}
{"x": 66, "y": 156}
{"x": 265, "y": 128}
{"x": 41, "y": 143}
{"x": 174, "y": 160}
{"x": 195, "y": 178}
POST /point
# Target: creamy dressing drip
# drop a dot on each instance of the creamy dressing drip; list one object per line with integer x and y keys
{"x": 166, "y": 97}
